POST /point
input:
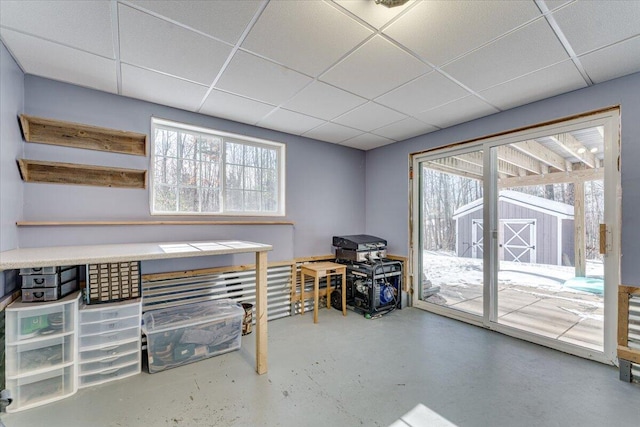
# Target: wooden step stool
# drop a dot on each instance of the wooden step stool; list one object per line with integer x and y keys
{"x": 318, "y": 270}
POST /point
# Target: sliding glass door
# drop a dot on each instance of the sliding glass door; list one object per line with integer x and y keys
{"x": 520, "y": 233}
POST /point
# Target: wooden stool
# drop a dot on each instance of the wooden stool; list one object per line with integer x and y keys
{"x": 318, "y": 270}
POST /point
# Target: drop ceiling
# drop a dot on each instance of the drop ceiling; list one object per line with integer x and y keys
{"x": 348, "y": 72}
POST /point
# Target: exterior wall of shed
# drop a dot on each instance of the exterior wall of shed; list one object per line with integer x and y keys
{"x": 568, "y": 243}
{"x": 547, "y": 233}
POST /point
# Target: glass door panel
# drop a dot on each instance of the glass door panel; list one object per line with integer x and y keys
{"x": 451, "y": 232}
{"x": 550, "y": 278}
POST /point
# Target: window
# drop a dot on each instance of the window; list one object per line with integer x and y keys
{"x": 198, "y": 171}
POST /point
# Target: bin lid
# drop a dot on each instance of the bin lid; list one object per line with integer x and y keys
{"x": 189, "y": 314}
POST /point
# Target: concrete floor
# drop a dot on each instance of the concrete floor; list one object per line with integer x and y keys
{"x": 353, "y": 371}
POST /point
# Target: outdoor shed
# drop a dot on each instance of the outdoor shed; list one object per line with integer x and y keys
{"x": 532, "y": 229}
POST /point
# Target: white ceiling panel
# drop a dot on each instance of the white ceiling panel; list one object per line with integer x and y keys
{"x": 612, "y": 62}
{"x": 331, "y": 33}
{"x": 530, "y": 48}
{"x": 440, "y": 31}
{"x": 160, "y": 88}
{"x": 332, "y": 132}
{"x": 423, "y": 93}
{"x": 260, "y": 79}
{"x": 590, "y": 25}
{"x": 323, "y": 101}
{"x": 84, "y": 25}
{"x": 153, "y": 43}
{"x": 223, "y": 19}
{"x": 371, "y": 13}
{"x": 554, "y": 4}
{"x": 375, "y": 68}
{"x": 369, "y": 116}
{"x": 289, "y": 121}
{"x": 559, "y": 78}
{"x": 54, "y": 61}
{"x": 234, "y": 107}
{"x": 404, "y": 129}
{"x": 367, "y": 141}
{"x": 455, "y": 112}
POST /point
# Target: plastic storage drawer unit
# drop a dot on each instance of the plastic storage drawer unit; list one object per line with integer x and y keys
{"x": 191, "y": 332}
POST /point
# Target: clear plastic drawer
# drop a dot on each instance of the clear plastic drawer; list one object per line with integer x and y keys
{"x": 109, "y": 375}
{"x": 114, "y": 350}
{"x": 25, "y": 321}
{"x": 90, "y": 314}
{"x": 35, "y": 390}
{"x": 91, "y": 342}
{"x": 109, "y": 363}
{"x": 37, "y": 355}
{"x": 109, "y": 326}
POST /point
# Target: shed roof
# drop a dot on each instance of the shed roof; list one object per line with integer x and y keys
{"x": 536, "y": 203}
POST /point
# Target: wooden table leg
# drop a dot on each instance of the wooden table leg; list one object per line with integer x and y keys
{"x": 261, "y": 312}
{"x": 329, "y": 291}
{"x": 301, "y": 293}
{"x": 316, "y": 296}
{"x": 344, "y": 294}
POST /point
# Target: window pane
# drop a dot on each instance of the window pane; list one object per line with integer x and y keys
{"x": 233, "y": 200}
{"x": 269, "y": 180}
{"x": 269, "y": 202}
{"x": 210, "y": 175}
{"x": 269, "y": 158}
{"x": 210, "y": 200}
{"x": 188, "y": 172}
{"x": 251, "y": 157}
{"x": 233, "y": 177}
{"x": 252, "y": 179}
{"x": 234, "y": 153}
{"x": 189, "y": 200}
{"x": 188, "y": 146}
{"x": 251, "y": 201}
{"x": 165, "y": 143}
{"x": 165, "y": 171}
{"x": 210, "y": 150}
{"x": 165, "y": 198}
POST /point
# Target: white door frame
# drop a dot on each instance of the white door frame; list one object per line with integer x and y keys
{"x": 610, "y": 120}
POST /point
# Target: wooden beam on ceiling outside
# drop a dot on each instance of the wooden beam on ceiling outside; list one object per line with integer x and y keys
{"x": 568, "y": 143}
{"x": 553, "y": 178}
{"x": 504, "y": 168}
{"x": 520, "y": 159}
{"x": 456, "y": 167}
{"x": 543, "y": 154}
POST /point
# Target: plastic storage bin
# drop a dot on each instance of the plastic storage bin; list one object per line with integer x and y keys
{"x": 191, "y": 332}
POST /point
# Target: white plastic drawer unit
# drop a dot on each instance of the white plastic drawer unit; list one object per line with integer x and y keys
{"x": 109, "y": 375}
{"x": 30, "y": 320}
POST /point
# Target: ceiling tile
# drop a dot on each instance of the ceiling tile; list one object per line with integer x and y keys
{"x": 234, "y": 107}
{"x": 289, "y": 121}
{"x": 589, "y": 25}
{"x": 554, "y": 4}
{"x": 223, "y": 19}
{"x": 323, "y": 101}
{"x": 372, "y": 13}
{"x": 160, "y": 88}
{"x": 287, "y": 29}
{"x": 404, "y": 129}
{"x": 612, "y": 62}
{"x": 462, "y": 110}
{"x": 54, "y": 61}
{"x": 367, "y": 141}
{"x": 369, "y": 116}
{"x": 551, "y": 81}
{"x": 374, "y": 68}
{"x": 530, "y": 48}
{"x": 332, "y": 132}
{"x": 152, "y": 43}
{"x": 440, "y": 31}
{"x": 84, "y": 25}
{"x": 260, "y": 79}
{"x": 423, "y": 93}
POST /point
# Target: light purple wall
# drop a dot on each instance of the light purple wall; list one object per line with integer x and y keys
{"x": 11, "y": 105}
{"x": 325, "y": 182}
{"x": 387, "y": 167}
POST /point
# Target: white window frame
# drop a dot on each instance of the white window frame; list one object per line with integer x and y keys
{"x": 226, "y": 137}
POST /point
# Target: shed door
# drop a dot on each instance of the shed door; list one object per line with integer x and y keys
{"x": 517, "y": 240}
{"x": 476, "y": 238}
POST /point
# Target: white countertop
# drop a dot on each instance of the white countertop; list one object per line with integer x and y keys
{"x": 92, "y": 254}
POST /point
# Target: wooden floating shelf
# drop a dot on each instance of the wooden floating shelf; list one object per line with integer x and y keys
{"x": 71, "y": 173}
{"x": 168, "y": 222}
{"x": 76, "y": 135}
